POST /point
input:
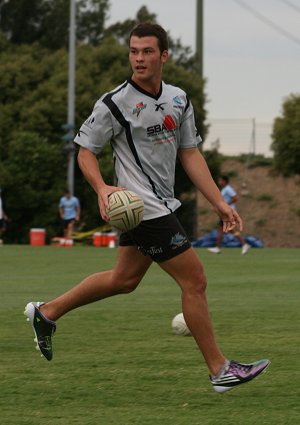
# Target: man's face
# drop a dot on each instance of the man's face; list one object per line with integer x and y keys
{"x": 146, "y": 59}
{"x": 222, "y": 183}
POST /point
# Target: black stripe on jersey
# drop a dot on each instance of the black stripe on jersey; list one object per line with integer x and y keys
{"x": 187, "y": 104}
{"x": 186, "y": 108}
{"x": 145, "y": 92}
{"x": 121, "y": 119}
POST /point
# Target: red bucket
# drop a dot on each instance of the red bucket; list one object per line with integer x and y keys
{"x": 97, "y": 239}
{"x": 37, "y": 237}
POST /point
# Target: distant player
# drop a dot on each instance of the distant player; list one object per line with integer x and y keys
{"x": 149, "y": 123}
{"x": 69, "y": 211}
{"x": 3, "y": 219}
{"x": 230, "y": 196}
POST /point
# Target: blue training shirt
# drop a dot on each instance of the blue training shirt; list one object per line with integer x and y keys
{"x": 70, "y": 206}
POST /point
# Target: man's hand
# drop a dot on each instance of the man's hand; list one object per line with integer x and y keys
{"x": 230, "y": 218}
{"x": 103, "y": 203}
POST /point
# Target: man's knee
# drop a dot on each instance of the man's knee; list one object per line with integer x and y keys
{"x": 196, "y": 283}
{"x": 200, "y": 284}
{"x": 125, "y": 284}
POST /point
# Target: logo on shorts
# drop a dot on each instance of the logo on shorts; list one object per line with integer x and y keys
{"x": 178, "y": 240}
{"x": 152, "y": 250}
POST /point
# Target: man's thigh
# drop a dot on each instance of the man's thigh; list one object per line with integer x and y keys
{"x": 131, "y": 263}
{"x": 185, "y": 268}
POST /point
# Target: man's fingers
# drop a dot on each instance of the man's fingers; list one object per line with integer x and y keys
{"x": 238, "y": 220}
{"x": 228, "y": 226}
{"x": 104, "y": 202}
{"x": 234, "y": 221}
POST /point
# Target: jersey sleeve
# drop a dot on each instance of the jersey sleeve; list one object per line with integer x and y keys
{"x": 189, "y": 135}
{"x": 97, "y": 130}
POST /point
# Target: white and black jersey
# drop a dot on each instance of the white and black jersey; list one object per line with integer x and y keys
{"x": 145, "y": 132}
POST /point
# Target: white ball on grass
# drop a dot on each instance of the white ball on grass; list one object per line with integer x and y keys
{"x": 179, "y": 326}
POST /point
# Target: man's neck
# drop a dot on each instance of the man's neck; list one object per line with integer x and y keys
{"x": 150, "y": 87}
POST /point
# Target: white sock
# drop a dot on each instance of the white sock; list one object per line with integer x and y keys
{"x": 223, "y": 369}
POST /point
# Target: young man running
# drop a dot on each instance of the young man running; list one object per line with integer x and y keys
{"x": 149, "y": 123}
{"x": 230, "y": 196}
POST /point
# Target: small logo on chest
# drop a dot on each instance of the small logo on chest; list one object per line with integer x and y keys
{"x": 138, "y": 108}
{"x": 159, "y": 106}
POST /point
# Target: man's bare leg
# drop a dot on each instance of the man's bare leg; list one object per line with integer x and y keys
{"x": 69, "y": 230}
{"x": 187, "y": 270}
{"x": 219, "y": 236}
{"x": 121, "y": 279}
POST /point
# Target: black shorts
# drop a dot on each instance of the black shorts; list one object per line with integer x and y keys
{"x": 67, "y": 222}
{"x": 161, "y": 238}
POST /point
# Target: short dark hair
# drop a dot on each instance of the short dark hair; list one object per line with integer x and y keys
{"x": 225, "y": 178}
{"x": 148, "y": 29}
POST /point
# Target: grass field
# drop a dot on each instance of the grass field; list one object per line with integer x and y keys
{"x": 116, "y": 362}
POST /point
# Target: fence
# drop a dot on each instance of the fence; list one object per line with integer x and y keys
{"x": 239, "y": 136}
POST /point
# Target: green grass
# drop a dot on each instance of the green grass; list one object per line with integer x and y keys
{"x": 116, "y": 362}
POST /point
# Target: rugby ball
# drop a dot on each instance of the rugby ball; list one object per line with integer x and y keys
{"x": 126, "y": 209}
{"x": 179, "y": 326}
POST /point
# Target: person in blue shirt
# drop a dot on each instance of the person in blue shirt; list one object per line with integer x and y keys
{"x": 69, "y": 211}
{"x": 230, "y": 197}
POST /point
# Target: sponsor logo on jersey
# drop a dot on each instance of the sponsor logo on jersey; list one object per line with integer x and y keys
{"x": 167, "y": 125}
{"x": 178, "y": 240}
{"x": 169, "y": 122}
{"x": 138, "y": 108}
{"x": 159, "y": 106}
{"x": 177, "y": 102}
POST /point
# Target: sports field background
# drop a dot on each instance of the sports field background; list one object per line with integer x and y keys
{"x": 116, "y": 362}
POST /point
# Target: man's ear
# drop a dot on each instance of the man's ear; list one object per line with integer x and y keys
{"x": 164, "y": 56}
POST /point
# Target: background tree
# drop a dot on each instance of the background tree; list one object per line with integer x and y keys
{"x": 286, "y": 138}
{"x": 121, "y": 30}
{"x": 33, "y": 121}
{"x": 47, "y": 22}
{"x": 33, "y": 107}
{"x": 214, "y": 162}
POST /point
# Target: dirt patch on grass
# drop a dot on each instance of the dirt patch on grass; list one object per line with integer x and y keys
{"x": 268, "y": 204}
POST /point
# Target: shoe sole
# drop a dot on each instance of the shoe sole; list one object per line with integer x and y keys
{"x": 29, "y": 312}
